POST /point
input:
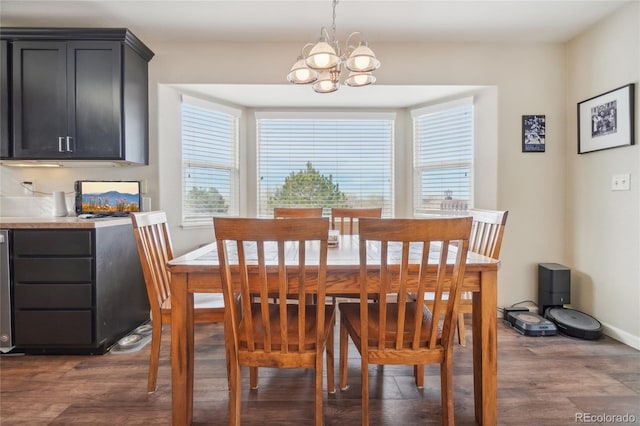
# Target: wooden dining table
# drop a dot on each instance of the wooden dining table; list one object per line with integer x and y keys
{"x": 198, "y": 272}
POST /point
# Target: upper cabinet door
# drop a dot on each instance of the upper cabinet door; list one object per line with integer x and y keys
{"x": 4, "y": 99}
{"x": 67, "y": 100}
{"x": 95, "y": 99}
{"x": 39, "y": 99}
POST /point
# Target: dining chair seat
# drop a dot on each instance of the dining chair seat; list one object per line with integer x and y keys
{"x": 204, "y": 304}
{"x": 293, "y": 333}
{"x": 350, "y": 314}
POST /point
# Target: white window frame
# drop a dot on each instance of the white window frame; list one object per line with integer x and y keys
{"x": 232, "y": 168}
{"x": 447, "y": 207}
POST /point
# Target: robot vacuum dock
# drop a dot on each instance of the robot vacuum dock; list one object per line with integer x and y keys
{"x": 528, "y": 323}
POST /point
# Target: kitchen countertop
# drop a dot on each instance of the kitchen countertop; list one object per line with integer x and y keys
{"x": 61, "y": 222}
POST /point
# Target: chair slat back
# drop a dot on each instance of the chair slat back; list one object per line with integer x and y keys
{"x": 296, "y": 212}
{"x": 487, "y": 231}
{"x": 248, "y": 267}
{"x": 401, "y": 248}
{"x": 155, "y": 250}
{"x": 348, "y": 215}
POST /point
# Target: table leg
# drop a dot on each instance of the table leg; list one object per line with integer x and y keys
{"x": 485, "y": 350}
{"x": 182, "y": 349}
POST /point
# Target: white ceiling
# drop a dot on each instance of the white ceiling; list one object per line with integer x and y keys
{"x": 300, "y": 21}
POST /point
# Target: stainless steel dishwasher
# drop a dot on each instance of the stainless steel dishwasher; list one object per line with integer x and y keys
{"x": 6, "y": 336}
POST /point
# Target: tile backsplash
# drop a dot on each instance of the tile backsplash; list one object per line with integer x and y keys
{"x": 30, "y": 206}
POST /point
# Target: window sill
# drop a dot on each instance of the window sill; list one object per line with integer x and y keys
{"x": 196, "y": 225}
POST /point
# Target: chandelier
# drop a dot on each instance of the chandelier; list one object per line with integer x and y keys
{"x": 322, "y": 63}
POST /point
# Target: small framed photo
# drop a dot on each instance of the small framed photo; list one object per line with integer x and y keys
{"x": 533, "y": 133}
{"x": 606, "y": 121}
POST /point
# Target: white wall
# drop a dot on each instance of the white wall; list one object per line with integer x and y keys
{"x": 603, "y": 226}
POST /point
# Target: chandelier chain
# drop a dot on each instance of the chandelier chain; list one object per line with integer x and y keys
{"x": 333, "y": 22}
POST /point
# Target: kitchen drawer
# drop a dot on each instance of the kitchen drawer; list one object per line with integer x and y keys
{"x": 51, "y": 270}
{"x": 53, "y": 296}
{"x": 52, "y": 243}
{"x": 53, "y": 328}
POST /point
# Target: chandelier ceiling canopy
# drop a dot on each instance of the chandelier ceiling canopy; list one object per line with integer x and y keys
{"x": 322, "y": 63}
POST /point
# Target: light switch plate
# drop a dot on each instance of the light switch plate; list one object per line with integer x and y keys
{"x": 620, "y": 182}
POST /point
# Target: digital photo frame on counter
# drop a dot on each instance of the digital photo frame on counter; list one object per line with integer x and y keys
{"x": 107, "y": 198}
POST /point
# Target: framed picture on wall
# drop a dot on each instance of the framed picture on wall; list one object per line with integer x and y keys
{"x": 533, "y": 133}
{"x": 606, "y": 121}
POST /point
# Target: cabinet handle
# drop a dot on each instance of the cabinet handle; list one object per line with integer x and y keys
{"x": 60, "y": 149}
{"x": 69, "y": 139}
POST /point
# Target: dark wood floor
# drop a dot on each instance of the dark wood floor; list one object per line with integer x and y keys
{"x": 542, "y": 380}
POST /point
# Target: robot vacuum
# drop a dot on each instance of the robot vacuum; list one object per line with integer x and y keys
{"x": 574, "y": 323}
{"x": 554, "y": 291}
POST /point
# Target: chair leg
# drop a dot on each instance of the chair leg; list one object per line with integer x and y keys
{"x": 318, "y": 389}
{"x": 418, "y": 372}
{"x": 253, "y": 377}
{"x": 154, "y": 358}
{"x": 234, "y": 393}
{"x": 461, "y": 337}
{"x": 331, "y": 379}
{"x": 446, "y": 385}
{"x": 364, "y": 372}
{"x": 344, "y": 349}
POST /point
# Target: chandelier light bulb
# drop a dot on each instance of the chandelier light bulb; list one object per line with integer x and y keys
{"x": 300, "y": 73}
{"x": 362, "y": 59}
{"x": 322, "y": 56}
{"x": 327, "y": 82}
{"x": 322, "y": 60}
{"x": 359, "y": 79}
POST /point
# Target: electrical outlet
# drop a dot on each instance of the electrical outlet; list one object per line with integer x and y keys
{"x": 28, "y": 186}
{"x": 620, "y": 182}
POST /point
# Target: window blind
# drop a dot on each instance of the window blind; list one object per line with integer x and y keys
{"x": 443, "y": 159}
{"x": 316, "y": 162}
{"x": 209, "y": 161}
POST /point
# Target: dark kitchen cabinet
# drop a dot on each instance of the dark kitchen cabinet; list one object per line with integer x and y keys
{"x": 4, "y": 99}
{"x": 76, "y": 290}
{"x": 78, "y": 94}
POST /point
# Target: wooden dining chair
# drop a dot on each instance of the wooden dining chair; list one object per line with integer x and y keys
{"x": 351, "y": 215}
{"x": 285, "y": 334}
{"x": 155, "y": 250}
{"x": 394, "y": 254}
{"x": 486, "y": 239}
{"x": 296, "y": 212}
